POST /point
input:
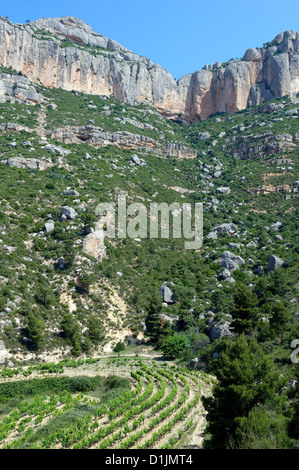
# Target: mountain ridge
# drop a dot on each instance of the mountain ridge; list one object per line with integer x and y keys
{"x": 66, "y": 53}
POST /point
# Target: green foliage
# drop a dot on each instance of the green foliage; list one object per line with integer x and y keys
{"x": 35, "y": 328}
{"x": 246, "y": 378}
{"x": 27, "y": 388}
{"x": 244, "y": 309}
{"x": 119, "y": 347}
{"x": 262, "y": 429}
{"x": 174, "y": 346}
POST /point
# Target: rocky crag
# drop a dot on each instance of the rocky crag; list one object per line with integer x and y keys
{"x": 67, "y": 53}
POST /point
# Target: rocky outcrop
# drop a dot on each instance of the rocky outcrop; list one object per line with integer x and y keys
{"x": 263, "y": 145}
{"x": 17, "y": 88}
{"x": 220, "y": 329}
{"x": 30, "y": 163}
{"x": 67, "y": 53}
{"x": 126, "y": 140}
{"x": 230, "y": 261}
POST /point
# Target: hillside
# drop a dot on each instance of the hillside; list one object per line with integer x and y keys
{"x": 67, "y": 297}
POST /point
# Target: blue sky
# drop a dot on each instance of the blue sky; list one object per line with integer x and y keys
{"x": 180, "y": 35}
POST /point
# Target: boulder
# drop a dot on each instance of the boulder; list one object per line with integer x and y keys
{"x": 220, "y": 329}
{"x": 223, "y": 190}
{"x": 49, "y": 226}
{"x": 226, "y": 228}
{"x": 231, "y": 261}
{"x": 30, "y": 163}
{"x": 167, "y": 295}
{"x": 204, "y": 135}
{"x": 135, "y": 159}
{"x": 69, "y": 212}
{"x": 212, "y": 236}
{"x": 226, "y": 274}
{"x": 274, "y": 263}
{"x": 71, "y": 192}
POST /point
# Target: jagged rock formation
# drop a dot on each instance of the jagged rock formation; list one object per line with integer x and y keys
{"x": 31, "y": 163}
{"x": 17, "y": 88}
{"x": 126, "y": 140}
{"x": 264, "y": 145}
{"x": 67, "y": 53}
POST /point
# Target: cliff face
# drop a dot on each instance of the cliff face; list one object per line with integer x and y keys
{"x": 67, "y": 53}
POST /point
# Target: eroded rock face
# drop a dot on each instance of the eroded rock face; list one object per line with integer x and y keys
{"x": 31, "y": 163}
{"x": 93, "y": 245}
{"x": 16, "y": 88}
{"x": 126, "y": 140}
{"x": 70, "y": 58}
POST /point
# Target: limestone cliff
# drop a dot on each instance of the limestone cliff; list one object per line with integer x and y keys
{"x": 67, "y": 53}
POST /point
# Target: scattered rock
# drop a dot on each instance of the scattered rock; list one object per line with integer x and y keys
{"x": 223, "y": 190}
{"x": 167, "y": 295}
{"x": 274, "y": 263}
{"x": 220, "y": 329}
{"x": 69, "y": 212}
{"x": 226, "y": 228}
{"x": 71, "y": 192}
{"x": 49, "y": 227}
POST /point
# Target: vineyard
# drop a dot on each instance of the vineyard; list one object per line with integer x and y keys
{"x": 160, "y": 408}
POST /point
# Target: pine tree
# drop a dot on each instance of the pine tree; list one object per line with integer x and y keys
{"x": 244, "y": 311}
{"x": 246, "y": 378}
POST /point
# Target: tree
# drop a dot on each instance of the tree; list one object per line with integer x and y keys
{"x": 119, "y": 347}
{"x": 262, "y": 429}
{"x": 280, "y": 317}
{"x": 35, "y": 328}
{"x": 175, "y": 345}
{"x": 70, "y": 329}
{"x": 246, "y": 378}
{"x": 244, "y": 310}
{"x": 88, "y": 219}
{"x": 44, "y": 295}
{"x": 69, "y": 326}
{"x": 95, "y": 330}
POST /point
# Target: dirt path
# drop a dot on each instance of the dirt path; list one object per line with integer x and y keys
{"x": 42, "y": 120}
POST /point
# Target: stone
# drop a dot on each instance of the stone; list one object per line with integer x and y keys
{"x": 30, "y": 163}
{"x": 274, "y": 263}
{"x": 277, "y": 225}
{"x": 167, "y": 295}
{"x": 230, "y": 280}
{"x": 135, "y": 159}
{"x": 49, "y": 227}
{"x": 69, "y": 212}
{"x": 71, "y": 192}
{"x": 226, "y": 228}
{"x": 220, "y": 329}
{"x": 223, "y": 190}
{"x": 204, "y": 135}
{"x": 225, "y": 274}
{"x": 231, "y": 261}
{"x": 4, "y": 353}
{"x": 168, "y": 318}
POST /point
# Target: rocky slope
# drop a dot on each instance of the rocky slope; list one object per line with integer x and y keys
{"x": 67, "y": 53}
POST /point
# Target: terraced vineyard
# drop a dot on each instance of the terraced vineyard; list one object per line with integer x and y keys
{"x": 162, "y": 406}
